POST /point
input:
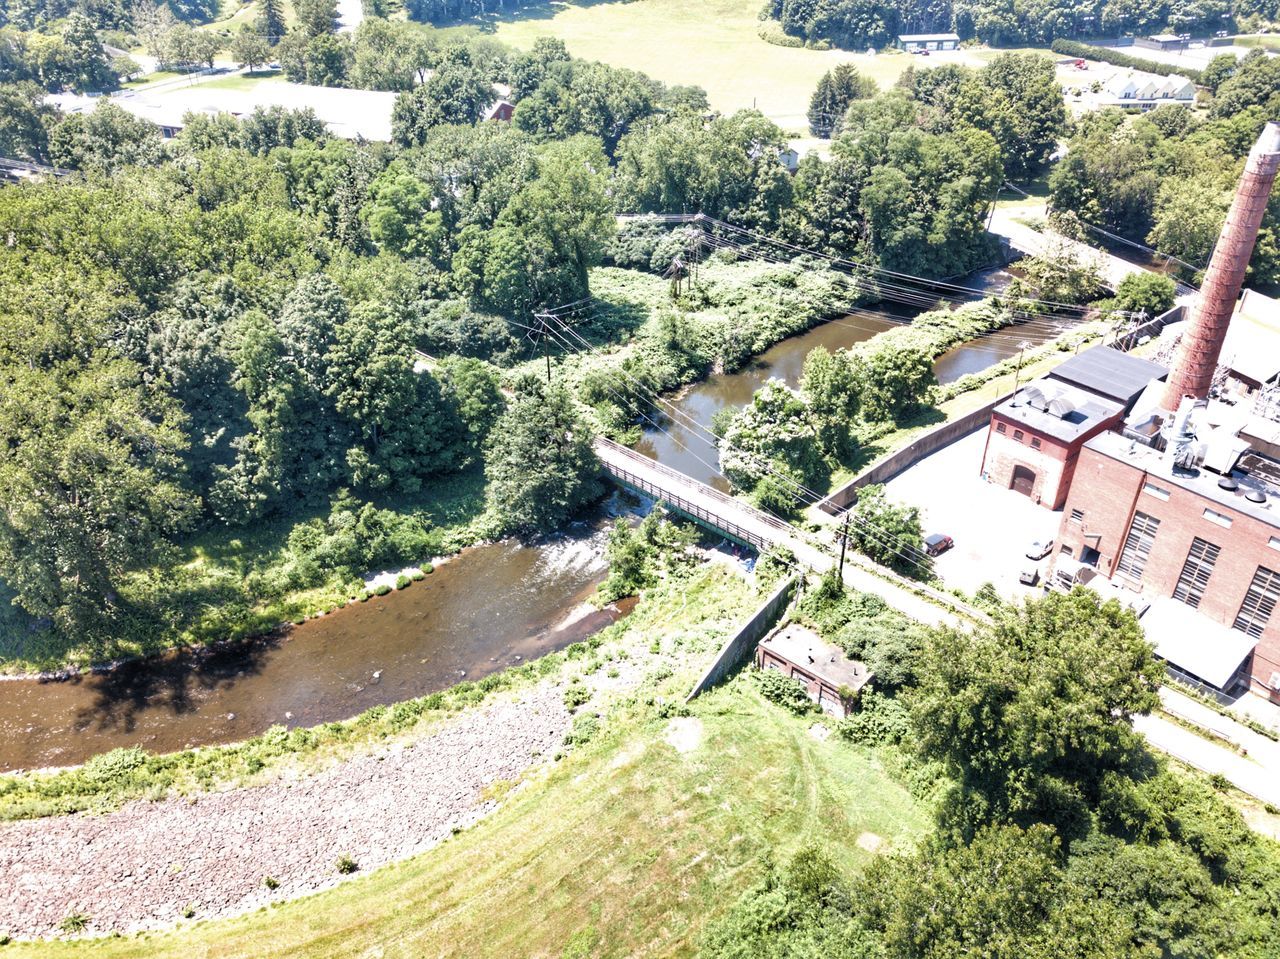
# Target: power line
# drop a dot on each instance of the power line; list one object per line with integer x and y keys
{"x": 802, "y": 493}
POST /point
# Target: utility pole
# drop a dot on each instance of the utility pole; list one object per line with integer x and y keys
{"x": 1017, "y": 373}
{"x": 544, "y": 325}
{"x": 844, "y": 541}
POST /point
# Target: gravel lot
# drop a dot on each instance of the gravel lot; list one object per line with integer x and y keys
{"x": 146, "y": 864}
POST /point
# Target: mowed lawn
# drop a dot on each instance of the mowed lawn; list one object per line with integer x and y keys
{"x": 714, "y": 44}
{"x": 627, "y": 847}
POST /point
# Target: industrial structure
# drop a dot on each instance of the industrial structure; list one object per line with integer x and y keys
{"x": 1170, "y": 486}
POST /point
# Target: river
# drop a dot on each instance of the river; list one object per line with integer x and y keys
{"x": 682, "y": 441}
{"x": 488, "y": 608}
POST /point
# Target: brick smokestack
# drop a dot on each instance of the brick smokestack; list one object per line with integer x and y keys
{"x": 1197, "y": 355}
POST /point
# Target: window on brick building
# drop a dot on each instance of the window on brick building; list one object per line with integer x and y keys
{"x": 1274, "y": 542}
{"x": 1159, "y": 492}
{"x": 1196, "y": 572}
{"x": 1259, "y": 602}
{"x": 1017, "y": 435}
{"x": 1222, "y": 519}
{"x": 1077, "y": 517}
{"x": 1035, "y": 442}
{"x": 1137, "y": 545}
{"x": 1000, "y": 428}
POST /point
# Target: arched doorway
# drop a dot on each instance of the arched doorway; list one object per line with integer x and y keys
{"x": 1024, "y": 480}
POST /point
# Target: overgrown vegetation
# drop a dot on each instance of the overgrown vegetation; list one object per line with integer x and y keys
{"x": 1166, "y": 178}
{"x": 1058, "y": 831}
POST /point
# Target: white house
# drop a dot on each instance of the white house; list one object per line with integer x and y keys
{"x": 1145, "y": 91}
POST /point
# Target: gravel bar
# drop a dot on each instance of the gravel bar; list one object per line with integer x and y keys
{"x": 146, "y": 864}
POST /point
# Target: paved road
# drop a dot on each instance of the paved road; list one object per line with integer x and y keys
{"x": 1257, "y": 772}
{"x": 350, "y": 14}
{"x": 1112, "y": 268}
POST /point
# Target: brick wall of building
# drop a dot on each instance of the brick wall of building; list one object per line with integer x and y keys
{"x": 1108, "y": 492}
{"x": 1054, "y": 463}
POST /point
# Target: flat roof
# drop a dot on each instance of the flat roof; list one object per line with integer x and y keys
{"x": 1200, "y": 481}
{"x": 928, "y": 36}
{"x": 1086, "y": 410}
{"x": 1252, "y": 345}
{"x": 1195, "y": 643}
{"x": 802, "y": 646}
{"x": 1109, "y": 372}
{"x": 347, "y": 113}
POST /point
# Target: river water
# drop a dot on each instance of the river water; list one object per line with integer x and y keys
{"x": 488, "y": 608}
{"x": 682, "y": 439}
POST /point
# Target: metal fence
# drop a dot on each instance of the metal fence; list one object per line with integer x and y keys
{"x": 646, "y": 465}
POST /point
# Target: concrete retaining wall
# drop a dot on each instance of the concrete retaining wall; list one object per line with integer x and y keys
{"x": 925, "y": 444}
{"x": 739, "y": 646}
{"x": 932, "y": 441}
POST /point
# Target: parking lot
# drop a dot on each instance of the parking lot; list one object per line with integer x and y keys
{"x": 992, "y": 527}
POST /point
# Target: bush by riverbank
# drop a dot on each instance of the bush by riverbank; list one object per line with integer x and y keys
{"x": 233, "y": 584}
{"x": 647, "y": 343}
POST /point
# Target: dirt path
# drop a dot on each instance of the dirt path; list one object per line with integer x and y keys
{"x": 145, "y": 864}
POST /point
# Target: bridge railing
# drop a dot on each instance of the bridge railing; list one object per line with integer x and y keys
{"x": 647, "y": 465}
{"x": 690, "y": 509}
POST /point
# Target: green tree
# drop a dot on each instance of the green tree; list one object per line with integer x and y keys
{"x": 1015, "y": 98}
{"x": 91, "y": 478}
{"x": 540, "y": 465}
{"x": 895, "y": 380}
{"x": 270, "y": 22}
{"x": 249, "y": 48}
{"x": 1149, "y": 293}
{"x": 474, "y": 388}
{"x": 836, "y": 90}
{"x": 775, "y": 430}
{"x": 104, "y": 140}
{"x": 1256, "y": 82}
{"x": 24, "y": 122}
{"x": 407, "y": 431}
{"x": 388, "y": 55}
{"x": 399, "y": 214}
{"x": 832, "y": 389}
{"x": 85, "y": 55}
{"x": 1031, "y": 713}
{"x": 1002, "y": 896}
{"x": 455, "y": 93}
{"x": 887, "y": 532}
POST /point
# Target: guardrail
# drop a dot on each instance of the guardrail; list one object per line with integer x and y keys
{"x": 653, "y": 466}
{"x": 690, "y": 509}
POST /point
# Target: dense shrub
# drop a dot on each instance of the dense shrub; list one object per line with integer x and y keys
{"x": 783, "y": 690}
{"x": 1072, "y": 48}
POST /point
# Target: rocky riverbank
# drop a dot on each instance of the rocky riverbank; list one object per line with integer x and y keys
{"x": 150, "y": 864}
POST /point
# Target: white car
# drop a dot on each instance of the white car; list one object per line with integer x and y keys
{"x": 1039, "y": 549}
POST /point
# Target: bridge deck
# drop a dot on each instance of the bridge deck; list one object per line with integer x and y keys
{"x": 752, "y": 526}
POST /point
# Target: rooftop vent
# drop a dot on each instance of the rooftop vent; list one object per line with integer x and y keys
{"x": 1256, "y": 496}
{"x": 1228, "y": 484}
{"x": 1060, "y": 407}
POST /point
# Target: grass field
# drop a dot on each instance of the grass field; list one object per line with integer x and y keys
{"x": 626, "y": 848}
{"x": 714, "y": 44}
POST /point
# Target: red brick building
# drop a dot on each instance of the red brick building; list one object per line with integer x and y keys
{"x": 1208, "y": 541}
{"x": 1035, "y": 437}
{"x": 832, "y": 680}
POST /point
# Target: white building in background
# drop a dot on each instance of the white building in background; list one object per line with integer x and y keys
{"x": 1145, "y": 91}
